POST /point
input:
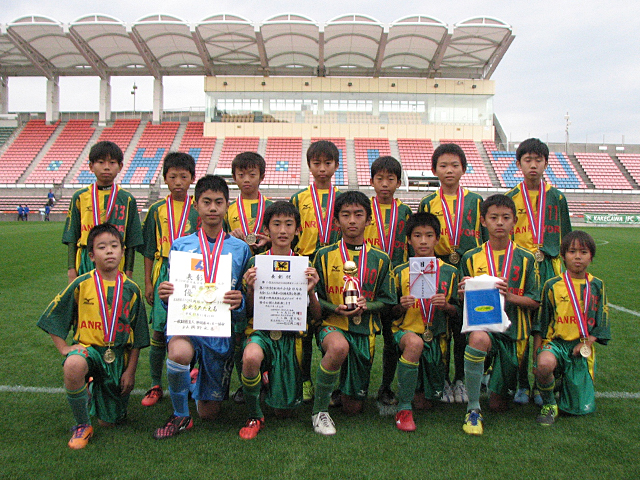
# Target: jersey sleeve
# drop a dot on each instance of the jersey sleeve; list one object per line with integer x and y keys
{"x": 546, "y": 312}
{"x": 565, "y": 219}
{"x": 61, "y": 314}
{"x": 138, "y": 320}
{"x": 149, "y": 229}
{"x": 321, "y": 286}
{"x": 134, "y": 229}
{"x": 602, "y": 328}
{"x": 71, "y": 232}
{"x": 532, "y": 279}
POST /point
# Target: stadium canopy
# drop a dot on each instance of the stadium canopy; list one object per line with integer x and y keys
{"x": 226, "y": 44}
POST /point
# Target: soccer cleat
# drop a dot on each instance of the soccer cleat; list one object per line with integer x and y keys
{"x": 387, "y": 397}
{"x": 404, "y": 421}
{"x": 460, "y": 392}
{"x": 173, "y": 427}
{"x": 447, "y": 394}
{"x": 238, "y": 396}
{"x": 323, "y": 424}
{"x": 152, "y": 396}
{"x": 81, "y": 435}
{"x": 473, "y": 423}
{"x": 251, "y": 428}
{"x": 308, "y": 391}
{"x": 336, "y": 399}
{"x": 537, "y": 398}
{"x": 548, "y": 415}
{"x": 522, "y": 396}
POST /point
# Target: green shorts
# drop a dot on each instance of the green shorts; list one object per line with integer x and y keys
{"x": 355, "y": 372}
{"x": 431, "y": 369}
{"x": 577, "y": 392}
{"x": 282, "y": 360}
{"x": 158, "y": 314}
{"x": 106, "y": 401}
{"x": 504, "y": 358}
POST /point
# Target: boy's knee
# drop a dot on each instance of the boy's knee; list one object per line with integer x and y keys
{"x": 208, "y": 409}
{"x": 480, "y": 341}
{"x": 75, "y": 366}
{"x": 252, "y": 357}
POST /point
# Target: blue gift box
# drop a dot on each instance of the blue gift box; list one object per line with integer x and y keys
{"x": 483, "y": 307}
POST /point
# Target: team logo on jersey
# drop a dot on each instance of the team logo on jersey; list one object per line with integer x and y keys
{"x": 281, "y": 266}
{"x": 335, "y": 268}
{"x": 564, "y": 298}
{"x": 482, "y": 269}
{"x": 521, "y": 211}
{"x": 87, "y": 301}
{"x": 306, "y": 206}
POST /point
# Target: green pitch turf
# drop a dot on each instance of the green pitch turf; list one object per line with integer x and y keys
{"x": 604, "y": 445}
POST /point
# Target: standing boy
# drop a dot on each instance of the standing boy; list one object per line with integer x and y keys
{"x": 106, "y": 312}
{"x": 543, "y": 220}
{"x": 387, "y": 232}
{"x": 245, "y": 220}
{"x": 278, "y": 353}
{"x": 316, "y": 205}
{"x": 421, "y": 330}
{"x": 518, "y": 271}
{"x": 348, "y": 332}
{"x": 458, "y": 210}
{"x": 573, "y": 316}
{"x": 167, "y": 219}
{"x": 214, "y": 353}
{"x": 101, "y": 202}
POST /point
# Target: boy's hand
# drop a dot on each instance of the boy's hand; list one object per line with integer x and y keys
{"x": 165, "y": 290}
{"x": 127, "y": 381}
{"x": 148, "y": 293}
{"x": 407, "y": 302}
{"x": 461, "y": 288}
{"x": 250, "y": 277}
{"x": 362, "y": 303}
{"x": 233, "y": 298}
{"x": 503, "y": 289}
{"x": 261, "y": 240}
{"x": 312, "y": 278}
{"x": 66, "y": 350}
{"x": 237, "y": 233}
{"x": 439, "y": 301}
{"x": 72, "y": 274}
{"x": 342, "y": 310}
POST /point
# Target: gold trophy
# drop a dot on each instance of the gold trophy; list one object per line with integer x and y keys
{"x": 350, "y": 293}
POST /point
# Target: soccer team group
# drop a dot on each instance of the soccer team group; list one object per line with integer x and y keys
{"x": 557, "y": 310}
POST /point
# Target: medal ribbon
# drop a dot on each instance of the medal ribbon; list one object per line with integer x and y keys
{"x": 324, "y": 223}
{"x": 95, "y": 203}
{"x": 344, "y": 253}
{"x": 210, "y": 258}
{"x": 386, "y": 242}
{"x": 426, "y": 307}
{"x": 506, "y": 263}
{"x": 537, "y": 224}
{"x": 244, "y": 223}
{"x": 581, "y": 316}
{"x": 109, "y": 324}
{"x": 453, "y": 232}
{"x": 186, "y": 208}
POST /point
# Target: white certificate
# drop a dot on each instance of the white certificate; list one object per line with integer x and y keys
{"x": 280, "y": 293}
{"x": 422, "y": 276}
{"x": 191, "y": 311}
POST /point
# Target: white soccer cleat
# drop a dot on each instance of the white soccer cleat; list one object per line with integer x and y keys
{"x": 447, "y": 394}
{"x": 323, "y": 424}
{"x": 460, "y": 392}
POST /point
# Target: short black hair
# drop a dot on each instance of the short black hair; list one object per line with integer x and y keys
{"x": 422, "y": 219}
{"x": 246, "y": 160}
{"x": 583, "y": 239}
{"x": 214, "y": 183}
{"x": 453, "y": 149}
{"x": 104, "y": 149}
{"x": 179, "y": 160}
{"x": 100, "y": 229}
{"x": 532, "y": 145}
{"x": 386, "y": 164}
{"x": 283, "y": 208}
{"x": 497, "y": 200}
{"x": 352, "y": 197}
{"x": 323, "y": 148}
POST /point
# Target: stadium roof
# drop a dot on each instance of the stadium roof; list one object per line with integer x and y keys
{"x": 227, "y": 44}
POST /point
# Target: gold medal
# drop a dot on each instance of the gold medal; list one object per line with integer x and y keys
{"x": 585, "y": 350}
{"x": 357, "y": 320}
{"x": 251, "y": 238}
{"x": 427, "y": 336}
{"x": 454, "y": 257}
{"x": 275, "y": 335}
{"x": 539, "y": 256}
{"x": 109, "y": 356}
{"x": 209, "y": 294}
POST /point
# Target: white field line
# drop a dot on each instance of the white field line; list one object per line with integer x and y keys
{"x": 22, "y": 389}
{"x": 625, "y": 310}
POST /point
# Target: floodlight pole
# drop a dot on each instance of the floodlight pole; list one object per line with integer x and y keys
{"x": 133, "y": 92}
{"x": 566, "y": 132}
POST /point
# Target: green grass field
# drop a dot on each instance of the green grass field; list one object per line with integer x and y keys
{"x": 604, "y": 445}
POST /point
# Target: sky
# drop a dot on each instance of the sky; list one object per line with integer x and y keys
{"x": 580, "y": 58}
